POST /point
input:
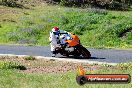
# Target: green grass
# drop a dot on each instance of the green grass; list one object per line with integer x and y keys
{"x": 29, "y": 58}
{"x": 11, "y": 76}
{"x": 14, "y": 79}
{"x": 11, "y": 65}
{"x": 96, "y": 28}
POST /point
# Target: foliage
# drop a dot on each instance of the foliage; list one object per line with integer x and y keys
{"x": 29, "y": 58}
{"x": 95, "y": 27}
{"x": 107, "y": 4}
{"x": 11, "y": 3}
{"x": 127, "y": 66}
{"x": 11, "y": 65}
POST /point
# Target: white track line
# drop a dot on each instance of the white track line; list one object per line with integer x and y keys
{"x": 62, "y": 59}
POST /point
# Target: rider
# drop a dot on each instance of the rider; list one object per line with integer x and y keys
{"x": 54, "y": 40}
{"x": 58, "y": 37}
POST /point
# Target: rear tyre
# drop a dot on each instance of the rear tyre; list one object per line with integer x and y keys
{"x": 84, "y": 52}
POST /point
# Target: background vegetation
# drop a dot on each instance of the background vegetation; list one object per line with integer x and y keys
{"x": 107, "y": 4}
{"x": 32, "y": 22}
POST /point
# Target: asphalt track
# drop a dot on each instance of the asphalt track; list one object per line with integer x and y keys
{"x": 100, "y": 55}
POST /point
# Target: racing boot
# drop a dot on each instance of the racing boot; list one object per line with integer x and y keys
{"x": 53, "y": 53}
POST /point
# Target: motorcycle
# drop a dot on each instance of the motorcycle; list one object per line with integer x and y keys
{"x": 73, "y": 47}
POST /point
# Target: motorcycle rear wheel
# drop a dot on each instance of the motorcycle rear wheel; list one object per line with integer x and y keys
{"x": 84, "y": 52}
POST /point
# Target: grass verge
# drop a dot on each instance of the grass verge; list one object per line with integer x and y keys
{"x": 58, "y": 74}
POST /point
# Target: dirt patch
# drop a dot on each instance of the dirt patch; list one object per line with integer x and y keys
{"x": 59, "y": 68}
{"x": 4, "y": 10}
{"x": 44, "y": 65}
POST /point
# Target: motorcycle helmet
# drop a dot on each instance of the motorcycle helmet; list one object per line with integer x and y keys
{"x": 56, "y": 30}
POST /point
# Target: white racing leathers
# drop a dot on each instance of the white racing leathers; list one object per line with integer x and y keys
{"x": 54, "y": 41}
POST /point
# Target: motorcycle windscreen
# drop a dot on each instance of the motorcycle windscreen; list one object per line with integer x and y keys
{"x": 75, "y": 40}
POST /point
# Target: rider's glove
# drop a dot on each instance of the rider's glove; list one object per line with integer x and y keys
{"x": 58, "y": 45}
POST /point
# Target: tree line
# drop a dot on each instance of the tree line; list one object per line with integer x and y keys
{"x": 106, "y": 4}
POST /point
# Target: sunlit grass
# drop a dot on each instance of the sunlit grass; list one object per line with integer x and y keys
{"x": 14, "y": 79}
{"x": 95, "y": 27}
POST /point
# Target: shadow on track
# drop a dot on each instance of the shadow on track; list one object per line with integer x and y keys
{"x": 96, "y": 58}
{"x": 72, "y": 57}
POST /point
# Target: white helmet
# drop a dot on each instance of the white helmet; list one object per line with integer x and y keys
{"x": 55, "y": 29}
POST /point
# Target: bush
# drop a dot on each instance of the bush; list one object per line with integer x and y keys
{"x": 30, "y": 58}
{"x": 106, "y": 4}
{"x": 11, "y": 3}
{"x": 13, "y": 36}
{"x": 11, "y": 65}
{"x": 118, "y": 6}
{"x": 125, "y": 66}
